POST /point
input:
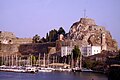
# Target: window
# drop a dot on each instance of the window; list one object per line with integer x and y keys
{"x": 89, "y": 50}
{"x": 89, "y": 53}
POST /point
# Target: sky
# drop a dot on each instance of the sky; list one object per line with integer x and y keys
{"x": 25, "y": 18}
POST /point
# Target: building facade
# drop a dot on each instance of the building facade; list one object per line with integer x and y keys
{"x": 90, "y": 50}
{"x": 85, "y": 51}
{"x": 66, "y": 50}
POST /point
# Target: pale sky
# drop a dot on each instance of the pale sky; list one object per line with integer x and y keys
{"x": 26, "y": 18}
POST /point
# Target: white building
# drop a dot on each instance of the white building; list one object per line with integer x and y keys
{"x": 96, "y": 50}
{"x": 66, "y": 50}
{"x": 90, "y": 50}
{"x": 85, "y": 51}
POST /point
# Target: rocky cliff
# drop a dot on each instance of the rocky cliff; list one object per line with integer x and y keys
{"x": 89, "y": 33}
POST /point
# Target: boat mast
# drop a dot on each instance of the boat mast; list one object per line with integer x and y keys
{"x": 2, "y": 58}
{"x": 12, "y": 60}
{"x": 28, "y": 60}
{"x": 84, "y": 13}
{"x": 16, "y": 60}
{"x": 44, "y": 60}
{"x": 19, "y": 61}
{"x": 80, "y": 61}
{"x": 48, "y": 60}
{"x": 72, "y": 60}
{"x": 7, "y": 60}
{"x": 53, "y": 61}
{"x": 65, "y": 60}
{"x": 39, "y": 59}
{"x": 56, "y": 59}
{"x": 31, "y": 60}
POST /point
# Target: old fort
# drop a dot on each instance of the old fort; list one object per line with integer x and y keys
{"x": 91, "y": 38}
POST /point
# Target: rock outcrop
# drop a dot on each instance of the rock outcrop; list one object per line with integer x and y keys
{"x": 89, "y": 33}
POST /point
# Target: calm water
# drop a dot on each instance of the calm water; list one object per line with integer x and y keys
{"x": 51, "y": 76}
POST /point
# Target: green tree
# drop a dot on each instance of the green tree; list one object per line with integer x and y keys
{"x": 61, "y": 31}
{"x": 32, "y": 59}
{"x": 47, "y": 37}
{"x": 118, "y": 56}
{"x": 36, "y": 38}
{"x": 76, "y": 54}
{"x": 43, "y": 40}
{"x": 52, "y": 35}
{"x": 87, "y": 64}
{"x": 97, "y": 64}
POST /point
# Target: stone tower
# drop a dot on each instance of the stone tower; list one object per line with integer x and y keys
{"x": 103, "y": 42}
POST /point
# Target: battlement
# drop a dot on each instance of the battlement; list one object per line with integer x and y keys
{"x": 7, "y": 35}
{"x": 87, "y": 21}
{"x": 22, "y": 40}
{"x": 98, "y": 28}
{"x": 10, "y": 38}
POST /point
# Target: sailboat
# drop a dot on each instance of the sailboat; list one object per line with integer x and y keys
{"x": 44, "y": 69}
{"x": 16, "y": 68}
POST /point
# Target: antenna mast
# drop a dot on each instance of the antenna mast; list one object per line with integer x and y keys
{"x": 84, "y": 13}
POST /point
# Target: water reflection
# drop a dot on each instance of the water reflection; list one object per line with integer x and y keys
{"x": 90, "y": 76}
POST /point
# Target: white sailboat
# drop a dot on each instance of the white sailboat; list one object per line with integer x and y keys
{"x": 16, "y": 68}
{"x": 44, "y": 69}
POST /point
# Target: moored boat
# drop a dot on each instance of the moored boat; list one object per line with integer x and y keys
{"x": 63, "y": 69}
{"x": 12, "y": 69}
{"x": 21, "y": 69}
{"x": 86, "y": 70}
{"x": 31, "y": 69}
{"x": 45, "y": 69}
{"x": 77, "y": 69}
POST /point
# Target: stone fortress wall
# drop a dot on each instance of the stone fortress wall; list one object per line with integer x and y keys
{"x": 5, "y": 34}
{"x": 22, "y": 40}
{"x": 23, "y": 46}
{"x": 9, "y": 43}
{"x": 9, "y": 47}
{"x": 10, "y": 38}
